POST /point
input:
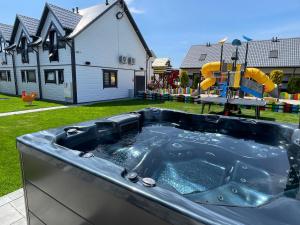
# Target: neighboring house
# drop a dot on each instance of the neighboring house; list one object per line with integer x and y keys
{"x": 7, "y": 80}
{"x": 55, "y": 52}
{"x": 161, "y": 65}
{"x": 267, "y": 55}
{"x": 26, "y": 70}
{"x": 92, "y": 54}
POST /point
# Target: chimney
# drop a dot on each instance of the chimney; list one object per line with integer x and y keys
{"x": 77, "y": 10}
{"x": 106, "y": 2}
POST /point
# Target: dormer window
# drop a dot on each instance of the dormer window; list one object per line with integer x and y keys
{"x": 202, "y": 57}
{"x": 2, "y": 43}
{"x": 3, "y": 59}
{"x": 273, "y": 54}
{"x": 53, "y": 43}
{"x": 23, "y": 49}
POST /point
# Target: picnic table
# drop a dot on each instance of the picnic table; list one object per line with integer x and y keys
{"x": 256, "y": 103}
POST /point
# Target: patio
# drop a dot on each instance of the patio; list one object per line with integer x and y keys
{"x": 12, "y": 209}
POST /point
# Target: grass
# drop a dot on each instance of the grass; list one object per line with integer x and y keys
{"x": 15, "y": 103}
{"x": 17, "y": 125}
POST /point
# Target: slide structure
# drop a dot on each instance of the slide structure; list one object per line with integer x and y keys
{"x": 253, "y": 73}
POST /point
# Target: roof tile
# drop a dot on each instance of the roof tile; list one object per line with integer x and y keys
{"x": 288, "y": 54}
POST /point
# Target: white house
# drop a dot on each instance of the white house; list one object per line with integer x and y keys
{"x": 26, "y": 70}
{"x": 78, "y": 56}
{"x": 7, "y": 79}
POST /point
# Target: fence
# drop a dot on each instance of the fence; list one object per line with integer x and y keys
{"x": 274, "y": 107}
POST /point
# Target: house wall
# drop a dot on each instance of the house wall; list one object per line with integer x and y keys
{"x": 54, "y": 91}
{"x": 32, "y": 65}
{"x": 7, "y": 87}
{"x": 101, "y": 44}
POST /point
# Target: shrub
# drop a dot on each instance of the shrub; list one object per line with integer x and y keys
{"x": 293, "y": 86}
{"x": 195, "y": 82}
{"x": 276, "y": 76}
{"x": 184, "y": 79}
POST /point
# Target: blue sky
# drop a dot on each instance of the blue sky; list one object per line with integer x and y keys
{"x": 170, "y": 27}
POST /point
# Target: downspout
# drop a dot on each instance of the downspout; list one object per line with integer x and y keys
{"x": 147, "y": 70}
{"x": 39, "y": 72}
{"x": 73, "y": 65}
{"x": 15, "y": 73}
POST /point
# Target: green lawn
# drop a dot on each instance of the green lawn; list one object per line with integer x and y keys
{"x": 14, "y": 126}
{"x": 15, "y": 103}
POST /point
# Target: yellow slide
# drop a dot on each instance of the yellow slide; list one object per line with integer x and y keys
{"x": 261, "y": 78}
{"x": 207, "y": 71}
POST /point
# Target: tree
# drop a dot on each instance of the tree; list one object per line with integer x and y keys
{"x": 195, "y": 82}
{"x": 184, "y": 79}
{"x": 276, "y": 76}
{"x": 293, "y": 86}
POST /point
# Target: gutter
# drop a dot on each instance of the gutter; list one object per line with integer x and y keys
{"x": 73, "y": 67}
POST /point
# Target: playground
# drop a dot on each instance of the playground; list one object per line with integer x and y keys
{"x": 231, "y": 84}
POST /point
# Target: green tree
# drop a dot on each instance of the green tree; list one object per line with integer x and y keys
{"x": 184, "y": 79}
{"x": 195, "y": 82}
{"x": 293, "y": 86}
{"x": 276, "y": 76}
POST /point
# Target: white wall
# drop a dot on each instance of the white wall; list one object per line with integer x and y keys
{"x": 54, "y": 91}
{"x": 7, "y": 86}
{"x": 90, "y": 88}
{"x": 101, "y": 44}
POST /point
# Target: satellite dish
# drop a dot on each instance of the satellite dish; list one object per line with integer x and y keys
{"x": 236, "y": 42}
{"x": 223, "y": 40}
{"x": 247, "y": 38}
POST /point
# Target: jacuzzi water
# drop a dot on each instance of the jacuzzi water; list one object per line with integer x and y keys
{"x": 210, "y": 168}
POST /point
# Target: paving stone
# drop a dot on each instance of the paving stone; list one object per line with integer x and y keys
{"x": 20, "y": 222}
{"x": 16, "y": 194}
{"x": 19, "y": 204}
{"x": 9, "y": 215}
{"x": 4, "y": 200}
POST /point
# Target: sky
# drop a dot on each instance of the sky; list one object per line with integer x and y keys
{"x": 170, "y": 27}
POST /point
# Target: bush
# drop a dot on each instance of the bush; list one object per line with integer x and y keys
{"x": 276, "y": 76}
{"x": 293, "y": 86}
{"x": 195, "y": 82}
{"x": 184, "y": 79}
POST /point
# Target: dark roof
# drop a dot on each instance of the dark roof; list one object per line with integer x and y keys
{"x": 258, "y": 56}
{"x": 66, "y": 18}
{"x": 90, "y": 15}
{"x": 6, "y": 31}
{"x": 30, "y": 24}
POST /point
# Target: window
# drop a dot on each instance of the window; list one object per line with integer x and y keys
{"x": 61, "y": 78}
{"x": 28, "y": 76}
{"x": 8, "y": 76}
{"x": 53, "y": 42}
{"x": 5, "y": 75}
{"x": 273, "y": 54}
{"x": 31, "y": 78}
{"x": 51, "y": 76}
{"x": 110, "y": 78}
{"x": 23, "y": 75}
{"x": 202, "y": 57}
{"x": 1, "y": 44}
{"x": 23, "y": 49}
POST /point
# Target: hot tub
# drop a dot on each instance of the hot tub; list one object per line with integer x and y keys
{"x": 163, "y": 167}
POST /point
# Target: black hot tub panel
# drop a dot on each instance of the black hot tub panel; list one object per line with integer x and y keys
{"x": 163, "y": 167}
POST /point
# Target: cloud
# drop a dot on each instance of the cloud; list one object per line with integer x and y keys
{"x": 133, "y": 9}
{"x": 136, "y": 11}
{"x": 129, "y": 2}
